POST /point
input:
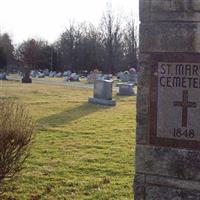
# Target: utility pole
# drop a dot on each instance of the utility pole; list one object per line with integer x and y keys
{"x": 51, "y": 58}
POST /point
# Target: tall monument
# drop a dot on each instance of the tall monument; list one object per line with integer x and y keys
{"x": 168, "y": 104}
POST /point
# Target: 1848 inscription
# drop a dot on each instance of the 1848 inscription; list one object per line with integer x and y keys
{"x": 178, "y": 101}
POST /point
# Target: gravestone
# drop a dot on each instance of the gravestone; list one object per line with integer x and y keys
{"x": 125, "y": 89}
{"x": 128, "y": 76}
{"x": 26, "y": 76}
{"x": 3, "y": 76}
{"x": 124, "y": 76}
{"x": 93, "y": 76}
{"x": 103, "y": 93}
{"x": 168, "y": 101}
{"x": 132, "y": 76}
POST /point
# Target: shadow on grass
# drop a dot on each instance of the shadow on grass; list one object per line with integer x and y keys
{"x": 67, "y": 116}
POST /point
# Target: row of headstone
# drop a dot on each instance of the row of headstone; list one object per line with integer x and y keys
{"x": 3, "y": 76}
{"x": 72, "y": 77}
{"x": 46, "y": 72}
{"x": 27, "y": 74}
{"x": 128, "y": 76}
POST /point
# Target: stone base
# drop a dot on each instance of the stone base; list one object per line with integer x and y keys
{"x": 165, "y": 173}
{"x": 149, "y": 187}
{"x": 125, "y": 89}
{"x": 102, "y": 101}
{"x": 26, "y": 80}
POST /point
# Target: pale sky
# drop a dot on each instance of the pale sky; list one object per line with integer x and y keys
{"x": 47, "y": 19}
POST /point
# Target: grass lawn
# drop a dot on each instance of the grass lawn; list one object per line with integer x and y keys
{"x": 81, "y": 151}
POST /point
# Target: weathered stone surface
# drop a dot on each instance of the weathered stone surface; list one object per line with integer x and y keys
{"x": 177, "y": 86}
{"x": 169, "y": 29}
{"x": 170, "y": 162}
{"x": 103, "y": 89}
{"x": 180, "y": 37}
{"x": 152, "y": 187}
{"x": 142, "y": 135}
{"x": 169, "y": 5}
{"x": 195, "y": 5}
{"x": 167, "y": 193}
{"x": 125, "y": 89}
{"x": 170, "y": 10}
{"x": 172, "y": 182}
{"x": 142, "y": 99}
{"x": 139, "y": 187}
{"x": 102, "y": 93}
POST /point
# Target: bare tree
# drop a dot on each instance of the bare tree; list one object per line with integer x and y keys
{"x": 79, "y": 46}
{"x": 111, "y": 47}
{"x": 130, "y": 44}
{"x": 67, "y": 46}
{"x": 89, "y": 50}
{"x": 112, "y": 40}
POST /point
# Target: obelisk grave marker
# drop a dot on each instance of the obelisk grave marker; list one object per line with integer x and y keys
{"x": 168, "y": 101}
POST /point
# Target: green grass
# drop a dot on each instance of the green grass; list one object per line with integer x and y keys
{"x": 81, "y": 151}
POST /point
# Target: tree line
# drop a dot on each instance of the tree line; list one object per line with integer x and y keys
{"x": 109, "y": 47}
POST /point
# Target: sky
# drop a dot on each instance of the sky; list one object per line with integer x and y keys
{"x": 47, "y": 19}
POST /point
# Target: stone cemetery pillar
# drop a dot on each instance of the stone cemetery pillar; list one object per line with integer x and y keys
{"x": 168, "y": 103}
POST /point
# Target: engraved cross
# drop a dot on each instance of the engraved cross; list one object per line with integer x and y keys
{"x": 185, "y": 104}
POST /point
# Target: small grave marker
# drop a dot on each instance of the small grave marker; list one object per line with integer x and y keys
{"x": 26, "y": 77}
{"x": 103, "y": 93}
{"x": 125, "y": 89}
